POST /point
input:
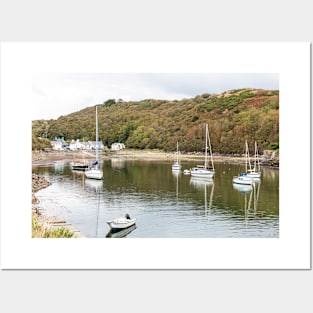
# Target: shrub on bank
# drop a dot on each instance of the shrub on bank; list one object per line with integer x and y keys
{"x": 39, "y": 144}
{"x": 41, "y": 231}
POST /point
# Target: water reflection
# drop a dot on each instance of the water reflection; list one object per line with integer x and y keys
{"x": 117, "y": 163}
{"x": 242, "y": 188}
{"x": 59, "y": 167}
{"x": 251, "y": 193}
{"x": 95, "y": 185}
{"x": 122, "y": 233}
{"x": 269, "y": 173}
{"x": 177, "y": 175}
{"x": 256, "y": 191}
{"x": 167, "y": 204}
{"x": 203, "y": 184}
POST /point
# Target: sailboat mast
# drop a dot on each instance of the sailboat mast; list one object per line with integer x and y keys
{"x": 257, "y": 160}
{"x": 206, "y": 147}
{"x": 177, "y": 153}
{"x": 255, "y": 155}
{"x": 247, "y": 158}
{"x": 97, "y": 135}
{"x": 210, "y": 149}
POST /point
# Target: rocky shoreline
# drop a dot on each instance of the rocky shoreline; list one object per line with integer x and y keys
{"x": 38, "y": 183}
{"x": 47, "y": 222}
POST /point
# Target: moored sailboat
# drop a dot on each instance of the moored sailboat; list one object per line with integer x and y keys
{"x": 95, "y": 171}
{"x": 205, "y": 171}
{"x": 176, "y": 166}
{"x": 255, "y": 172}
{"x": 79, "y": 165}
{"x": 243, "y": 178}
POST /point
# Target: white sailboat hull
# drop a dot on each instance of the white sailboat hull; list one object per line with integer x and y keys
{"x": 254, "y": 174}
{"x": 176, "y": 167}
{"x": 202, "y": 173}
{"x": 243, "y": 188}
{"x": 94, "y": 174}
{"x": 242, "y": 180}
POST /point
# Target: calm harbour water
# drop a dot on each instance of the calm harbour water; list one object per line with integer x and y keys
{"x": 165, "y": 204}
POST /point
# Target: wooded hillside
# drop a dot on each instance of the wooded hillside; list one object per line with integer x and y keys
{"x": 232, "y": 116}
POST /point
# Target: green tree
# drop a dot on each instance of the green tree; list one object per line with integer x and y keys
{"x": 109, "y": 102}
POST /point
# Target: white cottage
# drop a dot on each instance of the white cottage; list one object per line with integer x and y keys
{"x": 93, "y": 145}
{"x": 59, "y": 144}
{"x": 117, "y": 146}
{"x": 76, "y": 145}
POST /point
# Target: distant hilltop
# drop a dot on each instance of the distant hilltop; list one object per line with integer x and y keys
{"x": 232, "y": 116}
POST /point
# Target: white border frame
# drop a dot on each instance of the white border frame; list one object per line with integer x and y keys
{"x": 290, "y": 251}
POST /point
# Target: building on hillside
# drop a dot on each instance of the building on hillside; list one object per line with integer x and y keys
{"x": 76, "y": 145}
{"x": 92, "y": 145}
{"x": 117, "y": 146}
{"x": 85, "y": 145}
{"x": 59, "y": 144}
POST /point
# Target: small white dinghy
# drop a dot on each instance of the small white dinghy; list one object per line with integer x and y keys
{"x": 121, "y": 223}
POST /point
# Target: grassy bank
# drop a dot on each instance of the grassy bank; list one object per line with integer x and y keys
{"x": 42, "y": 228}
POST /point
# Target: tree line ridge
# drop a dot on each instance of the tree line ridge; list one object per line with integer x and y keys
{"x": 233, "y": 117}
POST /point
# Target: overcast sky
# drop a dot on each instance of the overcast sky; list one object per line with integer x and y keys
{"x": 60, "y": 94}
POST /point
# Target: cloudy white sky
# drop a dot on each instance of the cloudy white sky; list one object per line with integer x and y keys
{"x": 56, "y": 94}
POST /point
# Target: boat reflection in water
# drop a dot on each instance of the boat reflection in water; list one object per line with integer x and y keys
{"x": 59, "y": 167}
{"x": 203, "y": 184}
{"x": 95, "y": 185}
{"x": 243, "y": 188}
{"x": 117, "y": 163}
{"x": 122, "y": 233}
{"x": 177, "y": 175}
{"x": 250, "y": 208}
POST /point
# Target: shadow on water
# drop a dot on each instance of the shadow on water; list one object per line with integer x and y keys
{"x": 120, "y": 234}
